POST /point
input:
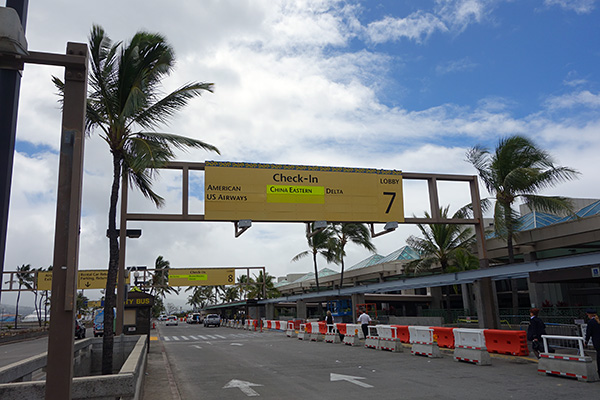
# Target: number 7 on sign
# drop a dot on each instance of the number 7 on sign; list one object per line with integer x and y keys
{"x": 393, "y": 194}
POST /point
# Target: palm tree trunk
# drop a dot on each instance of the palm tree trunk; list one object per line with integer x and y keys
{"x": 342, "y": 273}
{"x": 17, "y": 307}
{"x": 316, "y": 271}
{"x": 113, "y": 267}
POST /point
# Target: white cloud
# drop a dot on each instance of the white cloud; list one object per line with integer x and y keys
{"x": 583, "y": 98}
{"x": 579, "y": 6}
{"x": 418, "y": 27}
{"x": 464, "y": 64}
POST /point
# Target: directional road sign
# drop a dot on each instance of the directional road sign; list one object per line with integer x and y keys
{"x": 275, "y": 192}
{"x": 86, "y": 279}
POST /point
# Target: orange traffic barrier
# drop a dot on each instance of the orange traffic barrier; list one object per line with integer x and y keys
{"x": 308, "y": 328}
{"x": 445, "y": 336}
{"x": 322, "y": 327}
{"x": 506, "y": 342}
{"x": 341, "y": 328}
{"x": 402, "y": 333}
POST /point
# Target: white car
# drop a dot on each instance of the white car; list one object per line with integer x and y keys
{"x": 172, "y": 320}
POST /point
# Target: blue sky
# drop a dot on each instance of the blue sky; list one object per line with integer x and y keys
{"x": 407, "y": 85}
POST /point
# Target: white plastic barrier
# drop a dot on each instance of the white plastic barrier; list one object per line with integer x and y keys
{"x": 385, "y": 331}
{"x": 577, "y": 366}
{"x": 302, "y": 334}
{"x": 291, "y": 330}
{"x": 388, "y": 338}
{"x": 315, "y": 335}
{"x": 372, "y": 340}
{"x": 332, "y": 335}
{"x": 353, "y": 334}
{"x": 421, "y": 338}
{"x": 469, "y": 346}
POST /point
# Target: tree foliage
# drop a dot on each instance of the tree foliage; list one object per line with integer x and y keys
{"x": 518, "y": 169}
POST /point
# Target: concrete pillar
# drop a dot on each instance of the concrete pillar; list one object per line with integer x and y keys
{"x": 438, "y": 298}
{"x": 465, "y": 288}
{"x": 270, "y": 311}
{"x": 301, "y": 309}
{"x": 486, "y": 302}
{"x": 357, "y": 298}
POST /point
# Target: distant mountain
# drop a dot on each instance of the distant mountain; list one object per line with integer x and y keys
{"x": 10, "y": 309}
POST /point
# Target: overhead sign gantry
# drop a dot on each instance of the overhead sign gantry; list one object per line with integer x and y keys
{"x": 277, "y": 192}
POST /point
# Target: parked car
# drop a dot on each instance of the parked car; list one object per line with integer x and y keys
{"x": 212, "y": 319}
{"x": 162, "y": 317}
{"x": 193, "y": 318}
{"x": 79, "y": 329}
{"x": 172, "y": 320}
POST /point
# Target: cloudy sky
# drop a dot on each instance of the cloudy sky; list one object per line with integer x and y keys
{"x": 398, "y": 84}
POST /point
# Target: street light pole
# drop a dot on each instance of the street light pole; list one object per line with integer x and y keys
{"x": 10, "y": 85}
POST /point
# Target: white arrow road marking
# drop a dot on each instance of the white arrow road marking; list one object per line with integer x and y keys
{"x": 196, "y": 346}
{"x": 236, "y": 344}
{"x": 243, "y": 386}
{"x": 348, "y": 378}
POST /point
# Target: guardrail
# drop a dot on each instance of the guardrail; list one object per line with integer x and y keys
{"x": 125, "y": 385}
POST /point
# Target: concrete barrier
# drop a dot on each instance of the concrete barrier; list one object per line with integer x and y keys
{"x": 469, "y": 346}
{"x": 577, "y": 366}
{"x": 421, "y": 339}
{"x": 125, "y": 385}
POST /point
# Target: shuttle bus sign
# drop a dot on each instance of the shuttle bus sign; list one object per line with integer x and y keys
{"x": 276, "y": 192}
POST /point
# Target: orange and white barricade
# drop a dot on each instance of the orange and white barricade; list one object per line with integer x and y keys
{"x": 577, "y": 366}
{"x": 291, "y": 330}
{"x": 315, "y": 332}
{"x": 332, "y": 335}
{"x": 303, "y": 334}
{"x": 372, "y": 339}
{"x": 388, "y": 338}
{"x": 421, "y": 339}
{"x": 469, "y": 346}
{"x": 353, "y": 334}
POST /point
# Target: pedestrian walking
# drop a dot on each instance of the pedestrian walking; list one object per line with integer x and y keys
{"x": 364, "y": 320}
{"x": 536, "y": 329}
{"x": 329, "y": 321}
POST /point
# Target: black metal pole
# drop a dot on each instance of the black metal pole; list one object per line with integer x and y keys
{"x": 10, "y": 84}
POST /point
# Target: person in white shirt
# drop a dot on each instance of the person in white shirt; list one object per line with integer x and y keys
{"x": 364, "y": 320}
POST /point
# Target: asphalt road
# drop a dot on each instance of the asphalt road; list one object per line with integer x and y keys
{"x": 225, "y": 363}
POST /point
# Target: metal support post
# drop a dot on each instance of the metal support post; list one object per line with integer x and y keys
{"x": 10, "y": 85}
{"x": 59, "y": 371}
{"x": 487, "y": 304}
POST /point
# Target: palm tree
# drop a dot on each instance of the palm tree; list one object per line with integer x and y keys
{"x": 125, "y": 104}
{"x": 201, "y": 296}
{"x": 318, "y": 244}
{"x": 160, "y": 278}
{"x": 231, "y": 293}
{"x": 245, "y": 283}
{"x": 263, "y": 282}
{"x": 25, "y": 278}
{"x": 345, "y": 232}
{"x": 519, "y": 169}
{"x": 441, "y": 244}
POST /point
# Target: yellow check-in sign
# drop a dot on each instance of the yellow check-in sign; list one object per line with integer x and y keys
{"x": 276, "y": 192}
{"x": 201, "y": 276}
{"x": 86, "y": 279}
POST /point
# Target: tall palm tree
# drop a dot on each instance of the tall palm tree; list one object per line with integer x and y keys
{"x": 519, "y": 169}
{"x": 160, "y": 278}
{"x": 126, "y": 105}
{"x": 342, "y": 234}
{"x": 24, "y": 278}
{"x": 318, "y": 244}
{"x": 440, "y": 244}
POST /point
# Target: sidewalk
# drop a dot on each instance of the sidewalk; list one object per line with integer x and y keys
{"x": 159, "y": 383}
